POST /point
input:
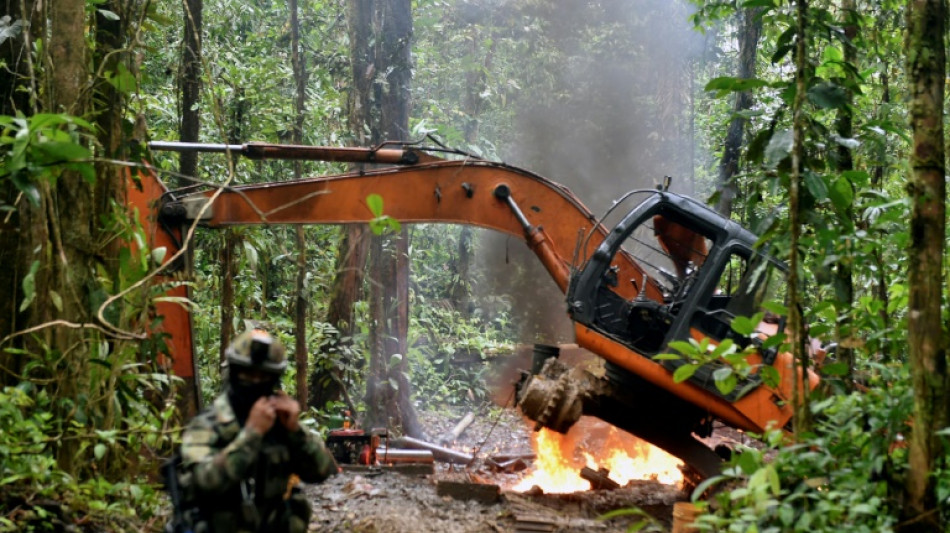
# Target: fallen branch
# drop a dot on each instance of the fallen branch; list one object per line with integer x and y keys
{"x": 459, "y": 428}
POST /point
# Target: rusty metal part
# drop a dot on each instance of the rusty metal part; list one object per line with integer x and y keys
{"x": 260, "y": 150}
{"x": 560, "y": 395}
{"x": 555, "y": 398}
{"x": 599, "y": 479}
{"x": 440, "y": 453}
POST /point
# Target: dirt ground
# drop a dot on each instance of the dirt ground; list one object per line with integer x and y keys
{"x": 384, "y": 501}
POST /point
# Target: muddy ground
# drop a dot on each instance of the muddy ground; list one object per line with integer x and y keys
{"x": 385, "y": 501}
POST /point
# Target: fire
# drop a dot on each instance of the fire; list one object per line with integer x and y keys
{"x": 595, "y": 444}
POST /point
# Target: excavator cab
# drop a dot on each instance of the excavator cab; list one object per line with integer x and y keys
{"x": 697, "y": 272}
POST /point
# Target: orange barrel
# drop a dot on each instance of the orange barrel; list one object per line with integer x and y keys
{"x": 684, "y": 514}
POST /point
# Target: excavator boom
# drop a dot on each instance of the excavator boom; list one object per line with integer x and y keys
{"x": 626, "y": 307}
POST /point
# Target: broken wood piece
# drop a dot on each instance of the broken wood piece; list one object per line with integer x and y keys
{"x": 502, "y": 457}
{"x": 512, "y": 465}
{"x": 460, "y": 490}
{"x": 406, "y": 469}
{"x": 532, "y": 523}
{"x": 459, "y": 428}
{"x": 440, "y": 453}
{"x": 599, "y": 479}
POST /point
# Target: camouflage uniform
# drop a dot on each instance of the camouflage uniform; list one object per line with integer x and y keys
{"x": 239, "y": 479}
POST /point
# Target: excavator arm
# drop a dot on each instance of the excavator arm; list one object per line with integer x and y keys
{"x": 555, "y": 225}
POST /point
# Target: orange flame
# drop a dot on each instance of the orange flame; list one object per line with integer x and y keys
{"x": 595, "y": 444}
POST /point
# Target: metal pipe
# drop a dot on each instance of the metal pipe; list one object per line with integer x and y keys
{"x": 259, "y": 150}
{"x": 503, "y": 192}
{"x": 400, "y": 455}
{"x": 439, "y": 452}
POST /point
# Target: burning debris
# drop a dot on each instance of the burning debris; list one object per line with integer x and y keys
{"x": 597, "y": 447}
{"x": 599, "y": 479}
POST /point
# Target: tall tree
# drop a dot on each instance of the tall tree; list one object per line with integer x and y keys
{"x": 16, "y": 24}
{"x": 750, "y": 28}
{"x": 388, "y": 391}
{"x": 844, "y": 272}
{"x": 926, "y": 68}
{"x": 300, "y": 109}
{"x": 327, "y": 384}
{"x": 189, "y": 80}
{"x": 796, "y": 319}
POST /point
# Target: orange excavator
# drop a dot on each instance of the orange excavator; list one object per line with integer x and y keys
{"x": 670, "y": 270}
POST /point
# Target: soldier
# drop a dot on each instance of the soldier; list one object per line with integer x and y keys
{"x": 238, "y": 455}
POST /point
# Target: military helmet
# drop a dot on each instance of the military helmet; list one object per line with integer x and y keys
{"x": 257, "y": 349}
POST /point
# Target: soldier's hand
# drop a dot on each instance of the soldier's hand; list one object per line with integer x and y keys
{"x": 262, "y": 415}
{"x": 288, "y": 410}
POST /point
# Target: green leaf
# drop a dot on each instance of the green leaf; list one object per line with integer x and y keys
{"x": 816, "y": 185}
{"x": 770, "y": 375}
{"x": 108, "y": 15}
{"x": 743, "y": 325}
{"x": 121, "y": 79}
{"x": 9, "y": 31}
{"x": 57, "y": 300}
{"x": 158, "y": 254}
{"x": 99, "y": 450}
{"x": 835, "y": 369}
{"x": 780, "y": 145}
{"x": 828, "y": 95}
{"x": 832, "y": 54}
{"x": 841, "y": 194}
{"x": 375, "y": 204}
{"x": 29, "y": 286}
{"x": 705, "y": 485}
{"x": 725, "y": 380}
{"x": 63, "y": 151}
{"x": 748, "y": 461}
{"x": 775, "y": 307}
{"x": 395, "y": 359}
{"x": 726, "y": 84}
{"x": 774, "y": 482}
{"x": 667, "y": 357}
{"x": 684, "y": 372}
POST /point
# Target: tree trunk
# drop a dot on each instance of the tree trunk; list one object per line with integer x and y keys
{"x": 328, "y": 384}
{"x": 190, "y": 84}
{"x": 750, "y": 29}
{"x": 14, "y": 97}
{"x": 877, "y": 181}
{"x": 926, "y": 67}
{"x": 380, "y": 33}
{"x": 328, "y": 381}
{"x": 300, "y": 334}
{"x": 844, "y": 272}
{"x": 802, "y": 421}
{"x": 227, "y": 262}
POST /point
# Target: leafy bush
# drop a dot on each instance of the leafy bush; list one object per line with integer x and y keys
{"x": 845, "y": 476}
{"x": 39, "y": 496}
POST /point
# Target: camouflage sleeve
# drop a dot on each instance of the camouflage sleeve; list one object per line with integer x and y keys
{"x": 216, "y": 470}
{"x": 312, "y": 462}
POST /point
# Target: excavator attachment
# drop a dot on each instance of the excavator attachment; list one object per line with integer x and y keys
{"x": 670, "y": 270}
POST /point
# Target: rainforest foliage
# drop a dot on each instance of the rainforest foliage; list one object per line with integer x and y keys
{"x": 818, "y": 125}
